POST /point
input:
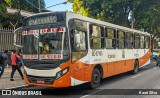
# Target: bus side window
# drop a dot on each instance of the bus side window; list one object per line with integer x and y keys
{"x": 147, "y": 42}
{"x": 102, "y": 37}
{"x": 129, "y": 40}
{"x": 110, "y": 38}
{"x": 142, "y": 42}
{"x": 137, "y": 41}
{"x": 78, "y": 40}
{"x": 96, "y": 37}
{"x": 78, "y": 44}
{"x": 120, "y": 39}
{"x": 132, "y": 41}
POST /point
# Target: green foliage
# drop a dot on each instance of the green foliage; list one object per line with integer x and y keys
{"x": 5, "y": 19}
{"x": 24, "y": 5}
{"x": 142, "y": 14}
{"x": 79, "y": 8}
{"x": 149, "y": 18}
{"x": 13, "y": 18}
{"x": 2, "y": 11}
{"x": 71, "y": 1}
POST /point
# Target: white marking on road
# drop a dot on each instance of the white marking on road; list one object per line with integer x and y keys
{"x": 136, "y": 76}
{"x": 91, "y": 93}
{"x": 84, "y": 96}
{"x": 16, "y": 87}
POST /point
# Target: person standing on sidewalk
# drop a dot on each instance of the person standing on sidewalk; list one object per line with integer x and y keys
{"x": 15, "y": 59}
{"x": 3, "y": 62}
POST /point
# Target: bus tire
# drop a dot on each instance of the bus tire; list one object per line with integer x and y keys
{"x": 95, "y": 79}
{"x": 136, "y": 67}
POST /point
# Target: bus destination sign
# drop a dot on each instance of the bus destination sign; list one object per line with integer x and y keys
{"x": 42, "y": 20}
{"x": 38, "y": 20}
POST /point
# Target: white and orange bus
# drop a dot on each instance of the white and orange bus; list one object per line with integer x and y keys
{"x": 62, "y": 49}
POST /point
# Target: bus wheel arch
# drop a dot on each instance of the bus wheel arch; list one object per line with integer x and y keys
{"x": 136, "y": 66}
{"x": 97, "y": 75}
{"x": 99, "y": 67}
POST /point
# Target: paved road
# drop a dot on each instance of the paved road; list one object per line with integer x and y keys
{"x": 125, "y": 85}
{"x": 5, "y": 82}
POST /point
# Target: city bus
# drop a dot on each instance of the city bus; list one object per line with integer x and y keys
{"x": 63, "y": 49}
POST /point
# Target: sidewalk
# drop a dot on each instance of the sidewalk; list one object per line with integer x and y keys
{"x": 5, "y": 82}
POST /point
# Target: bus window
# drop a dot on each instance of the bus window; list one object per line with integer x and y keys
{"x": 137, "y": 41}
{"x": 96, "y": 37}
{"x": 110, "y": 39}
{"x": 31, "y": 44}
{"x": 78, "y": 44}
{"x": 121, "y": 39}
{"x": 129, "y": 40}
{"x": 79, "y": 41}
{"x": 50, "y": 43}
{"x": 147, "y": 42}
{"x": 142, "y": 42}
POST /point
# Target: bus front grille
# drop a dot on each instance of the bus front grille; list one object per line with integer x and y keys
{"x": 41, "y": 80}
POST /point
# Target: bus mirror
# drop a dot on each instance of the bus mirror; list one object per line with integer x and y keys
{"x": 15, "y": 37}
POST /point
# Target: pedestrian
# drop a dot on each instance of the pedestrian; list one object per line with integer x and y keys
{"x": 3, "y": 62}
{"x": 20, "y": 63}
{"x": 15, "y": 59}
{"x": 158, "y": 60}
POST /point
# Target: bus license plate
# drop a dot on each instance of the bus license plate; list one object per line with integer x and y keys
{"x": 40, "y": 81}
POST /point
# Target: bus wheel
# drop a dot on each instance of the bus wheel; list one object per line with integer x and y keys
{"x": 136, "y": 67}
{"x": 96, "y": 78}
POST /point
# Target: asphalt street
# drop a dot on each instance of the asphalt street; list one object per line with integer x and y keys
{"x": 144, "y": 84}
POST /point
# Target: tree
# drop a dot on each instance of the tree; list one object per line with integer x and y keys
{"x": 5, "y": 19}
{"x": 25, "y": 5}
{"x": 138, "y": 14}
{"x": 149, "y": 17}
{"x": 2, "y": 11}
{"x": 12, "y": 18}
{"x": 115, "y": 11}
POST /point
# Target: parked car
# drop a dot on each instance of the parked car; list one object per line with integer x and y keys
{"x": 155, "y": 54}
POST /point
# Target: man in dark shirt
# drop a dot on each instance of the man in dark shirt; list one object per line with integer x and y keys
{"x": 3, "y": 62}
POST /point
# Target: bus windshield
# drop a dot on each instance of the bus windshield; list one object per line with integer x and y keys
{"x": 46, "y": 44}
{"x": 51, "y": 43}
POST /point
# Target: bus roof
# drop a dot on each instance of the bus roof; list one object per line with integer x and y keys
{"x": 45, "y": 13}
{"x": 110, "y": 25}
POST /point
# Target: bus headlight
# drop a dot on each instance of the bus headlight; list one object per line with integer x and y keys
{"x": 62, "y": 72}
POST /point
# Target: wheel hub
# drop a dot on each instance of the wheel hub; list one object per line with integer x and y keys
{"x": 95, "y": 78}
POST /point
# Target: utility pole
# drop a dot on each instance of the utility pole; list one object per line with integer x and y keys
{"x": 39, "y": 1}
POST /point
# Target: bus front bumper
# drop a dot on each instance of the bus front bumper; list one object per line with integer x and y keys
{"x": 31, "y": 77}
